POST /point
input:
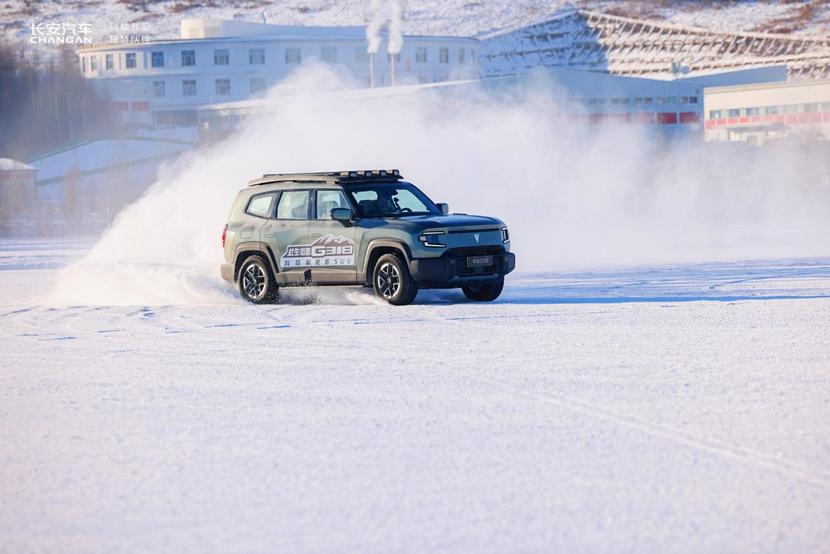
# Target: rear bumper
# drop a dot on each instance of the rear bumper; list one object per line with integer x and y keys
{"x": 450, "y": 271}
{"x": 226, "y": 270}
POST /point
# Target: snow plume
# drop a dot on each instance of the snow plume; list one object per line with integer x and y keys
{"x": 572, "y": 195}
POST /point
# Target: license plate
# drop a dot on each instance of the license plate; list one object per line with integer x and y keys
{"x": 479, "y": 261}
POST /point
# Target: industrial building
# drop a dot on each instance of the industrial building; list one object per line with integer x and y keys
{"x": 763, "y": 112}
{"x": 591, "y": 41}
{"x": 163, "y": 82}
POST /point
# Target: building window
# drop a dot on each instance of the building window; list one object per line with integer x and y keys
{"x": 328, "y": 54}
{"x": 157, "y": 59}
{"x": 292, "y": 55}
{"x": 753, "y": 111}
{"x": 421, "y": 54}
{"x": 771, "y": 110}
{"x": 130, "y": 60}
{"x": 189, "y": 87}
{"x": 257, "y": 85}
{"x": 462, "y": 55}
{"x": 715, "y": 114}
{"x": 256, "y": 56}
{"x": 792, "y": 108}
{"x": 812, "y": 107}
{"x": 648, "y": 100}
{"x": 360, "y": 54}
{"x": 188, "y": 57}
{"x": 158, "y": 89}
{"x": 108, "y": 62}
{"x": 223, "y": 87}
{"x": 443, "y": 55}
{"x": 396, "y": 56}
{"x": 83, "y": 64}
{"x": 93, "y": 63}
{"x": 693, "y": 100}
{"x": 221, "y": 57}
{"x": 733, "y": 112}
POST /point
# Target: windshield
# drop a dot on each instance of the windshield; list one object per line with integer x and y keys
{"x": 391, "y": 200}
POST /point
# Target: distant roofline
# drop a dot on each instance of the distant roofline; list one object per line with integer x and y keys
{"x": 571, "y": 11}
{"x": 264, "y": 38}
{"x": 765, "y": 86}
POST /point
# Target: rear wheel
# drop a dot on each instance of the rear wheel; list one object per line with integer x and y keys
{"x": 256, "y": 282}
{"x": 392, "y": 281}
{"x": 484, "y": 292}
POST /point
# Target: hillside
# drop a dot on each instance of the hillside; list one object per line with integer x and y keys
{"x": 160, "y": 18}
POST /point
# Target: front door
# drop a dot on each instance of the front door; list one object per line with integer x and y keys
{"x": 287, "y": 235}
{"x": 332, "y": 242}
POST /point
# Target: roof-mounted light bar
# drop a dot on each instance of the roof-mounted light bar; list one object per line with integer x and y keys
{"x": 352, "y": 175}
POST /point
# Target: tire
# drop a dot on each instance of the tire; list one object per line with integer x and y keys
{"x": 392, "y": 281}
{"x": 484, "y": 292}
{"x": 256, "y": 283}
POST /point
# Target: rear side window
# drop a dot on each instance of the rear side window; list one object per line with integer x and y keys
{"x": 293, "y": 205}
{"x": 260, "y": 205}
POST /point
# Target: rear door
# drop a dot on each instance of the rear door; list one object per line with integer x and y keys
{"x": 332, "y": 241}
{"x": 287, "y": 235}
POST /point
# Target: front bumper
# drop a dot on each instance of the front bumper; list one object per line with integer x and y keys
{"x": 451, "y": 270}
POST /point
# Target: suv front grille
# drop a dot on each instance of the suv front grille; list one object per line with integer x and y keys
{"x": 461, "y": 255}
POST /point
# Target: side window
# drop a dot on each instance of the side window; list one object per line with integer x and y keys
{"x": 327, "y": 200}
{"x": 367, "y": 200}
{"x": 260, "y": 205}
{"x": 293, "y": 205}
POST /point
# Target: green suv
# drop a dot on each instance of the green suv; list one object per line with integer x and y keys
{"x": 366, "y": 228}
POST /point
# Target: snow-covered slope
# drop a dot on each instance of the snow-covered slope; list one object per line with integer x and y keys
{"x": 440, "y": 17}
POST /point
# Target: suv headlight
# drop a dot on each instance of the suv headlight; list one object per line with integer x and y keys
{"x": 432, "y": 239}
{"x": 505, "y": 235}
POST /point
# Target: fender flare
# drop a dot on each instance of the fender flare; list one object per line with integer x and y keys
{"x": 255, "y": 246}
{"x": 385, "y": 243}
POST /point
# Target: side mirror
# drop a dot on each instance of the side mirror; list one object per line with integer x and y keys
{"x": 445, "y": 208}
{"x": 341, "y": 214}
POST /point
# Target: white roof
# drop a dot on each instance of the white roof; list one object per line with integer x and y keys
{"x": 8, "y": 164}
{"x": 100, "y": 155}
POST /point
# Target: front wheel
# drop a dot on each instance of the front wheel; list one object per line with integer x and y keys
{"x": 392, "y": 281}
{"x": 256, "y": 282}
{"x": 484, "y": 292}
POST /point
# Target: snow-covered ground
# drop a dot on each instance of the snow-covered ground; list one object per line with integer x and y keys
{"x": 673, "y": 409}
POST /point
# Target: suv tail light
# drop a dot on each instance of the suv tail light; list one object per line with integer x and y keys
{"x": 224, "y": 232}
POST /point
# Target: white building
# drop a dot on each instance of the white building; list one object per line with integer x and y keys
{"x": 164, "y": 82}
{"x": 762, "y": 112}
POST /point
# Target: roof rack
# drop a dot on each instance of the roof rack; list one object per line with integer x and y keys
{"x": 348, "y": 176}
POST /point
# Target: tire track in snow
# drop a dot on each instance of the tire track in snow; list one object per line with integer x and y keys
{"x": 706, "y": 444}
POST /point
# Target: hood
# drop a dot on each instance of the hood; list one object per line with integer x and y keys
{"x": 454, "y": 221}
